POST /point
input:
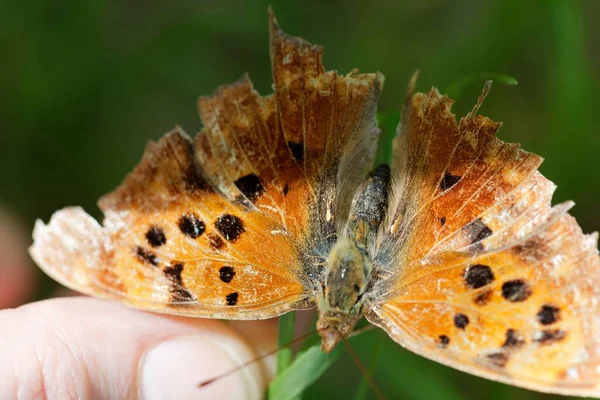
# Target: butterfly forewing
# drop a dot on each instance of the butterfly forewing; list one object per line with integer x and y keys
{"x": 226, "y": 226}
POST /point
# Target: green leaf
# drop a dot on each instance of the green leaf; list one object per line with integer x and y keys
{"x": 457, "y": 87}
{"x": 303, "y": 372}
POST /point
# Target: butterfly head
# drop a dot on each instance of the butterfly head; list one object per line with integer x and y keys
{"x": 341, "y": 305}
{"x": 332, "y": 329}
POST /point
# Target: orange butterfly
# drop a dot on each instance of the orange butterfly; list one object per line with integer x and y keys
{"x": 454, "y": 250}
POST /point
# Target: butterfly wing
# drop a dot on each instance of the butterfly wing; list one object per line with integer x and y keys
{"x": 478, "y": 270}
{"x": 172, "y": 243}
{"x": 224, "y": 225}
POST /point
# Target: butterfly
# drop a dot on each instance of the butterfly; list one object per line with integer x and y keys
{"x": 454, "y": 249}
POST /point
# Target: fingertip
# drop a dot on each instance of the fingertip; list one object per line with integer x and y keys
{"x": 174, "y": 369}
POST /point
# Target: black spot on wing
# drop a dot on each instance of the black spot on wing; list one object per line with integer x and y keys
{"x": 516, "y": 290}
{"x": 513, "y": 339}
{"x": 548, "y": 314}
{"x": 297, "y": 149}
{"x": 443, "y": 221}
{"x": 477, "y": 230}
{"x": 180, "y": 295}
{"x": 549, "y": 336}
{"x": 443, "y": 341}
{"x": 173, "y": 272}
{"x": 232, "y": 298}
{"x": 478, "y": 275}
{"x": 145, "y": 255}
{"x": 448, "y": 181}
{"x": 230, "y": 227}
{"x": 156, "y": 236}
{"x": 191, "y": 225}
{"x": 251, "y": 186}
{"x": 177, "y": 290}
{"x": 461, "y": 321}
{"x": 226, "y": 273}
{"x": 215, "y": 242}
{"x": 286, "y": 189}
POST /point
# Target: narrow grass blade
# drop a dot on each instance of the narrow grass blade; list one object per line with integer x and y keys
{"x": 457, "y": 87}
{"x": 303, "y": 372}
{"x": 286, "y": 335}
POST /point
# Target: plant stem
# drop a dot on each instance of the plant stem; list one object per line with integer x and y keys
{"x": 286, "y": 335}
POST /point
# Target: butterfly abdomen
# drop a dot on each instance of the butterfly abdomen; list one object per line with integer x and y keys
{"x": 346, "y": 280}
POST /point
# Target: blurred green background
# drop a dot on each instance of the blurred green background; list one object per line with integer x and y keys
{"x": 85, "y": 84}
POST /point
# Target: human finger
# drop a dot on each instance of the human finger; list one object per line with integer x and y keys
{"x": 87, "y": 348}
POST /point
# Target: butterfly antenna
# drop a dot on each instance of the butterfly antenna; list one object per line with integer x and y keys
{"x": 255, "y": 359}
{"x": 370, "y": 381}
{"x": 362, "y": 330}
{"x": 487, "y": 86}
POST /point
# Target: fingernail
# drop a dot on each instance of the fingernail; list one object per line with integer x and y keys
{"x": 174, "y": 369}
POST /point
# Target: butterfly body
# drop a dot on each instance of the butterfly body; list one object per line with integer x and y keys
{"x": 349, "y": 272}
{"x": 454, "y": 249}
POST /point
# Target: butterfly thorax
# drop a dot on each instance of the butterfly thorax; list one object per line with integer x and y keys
{"x": 349, "y": 264}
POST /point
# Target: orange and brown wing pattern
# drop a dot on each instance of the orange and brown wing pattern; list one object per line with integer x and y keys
{"x": 487, "y": 276}
{"x": 171, "y": 243}
{"x": 458, "y": 180}
{"x": 299, "y": 154}
{"x": 227, "y": 225}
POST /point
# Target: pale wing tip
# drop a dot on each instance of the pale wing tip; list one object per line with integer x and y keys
{"x": 42, "y": 232}
{"x": 38, "y": 232}
{"x": 59, "y": 247}
{"x": 593, "y": 240}
{"x": 380, "y": 78}
{"x": 565, "y": 206}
